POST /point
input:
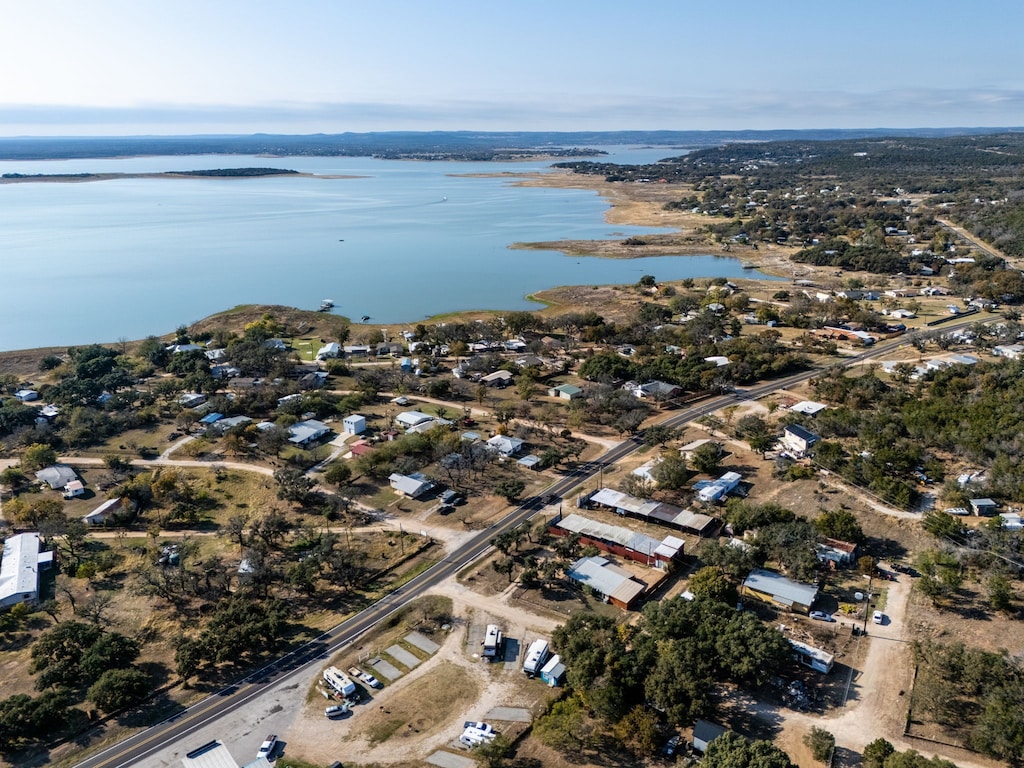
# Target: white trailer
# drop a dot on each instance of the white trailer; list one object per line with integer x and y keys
{"x": 535, "y": 657}
{"x": 492, "y": 643}
{"x": 339, "y": 682}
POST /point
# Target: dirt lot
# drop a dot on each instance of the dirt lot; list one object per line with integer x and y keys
{"x": 424, "y": 709}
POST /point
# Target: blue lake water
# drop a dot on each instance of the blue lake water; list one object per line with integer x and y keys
{"x": 98, "y": 261}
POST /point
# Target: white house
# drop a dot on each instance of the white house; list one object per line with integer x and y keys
{"x": 331, "y": 349}
{"x": 103, "y": 512}
{"x": 797, "y": 439}
{"x": 26, "y": 395}
{"x": 56, "y": 476}
{"x": 413, "y": 486}
{"x": 19, "y": 569}
{"x": 307, "y": 432}
{"x": 505, "y": 445}
{"x": 354, "y": 424}
{"x": 408, "y": 419}
{"x": 499, "y": 379}
{"x": 1009, "y": 351}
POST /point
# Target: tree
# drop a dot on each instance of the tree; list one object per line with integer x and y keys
{"x": 639, "y": 729}
{"x": 338, "y": 474}
{"x": 839, "y": 524}
{"x": 37, "y": 456}
{"x": 493, "y": 753}
{"x": 730, "y": 750}
{"x": 505, "y": 565}
{"x": 671, "y": 473}
{"x": 876, "y": 752}
{"x": 510, "y": 490}
{"x": 564, "y": 727}
{"x": 820, "y": 742}
{"x": 293, "y": 485}
{"x": 111, "y": 650}
{"x": 707, "y": 458}
{"x": 999, "y": 594}
{"x": 710, "y": 583}
{"x": 119, "y": 688}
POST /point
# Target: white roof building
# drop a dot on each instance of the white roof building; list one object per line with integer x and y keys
{"x": 19, "y": 569}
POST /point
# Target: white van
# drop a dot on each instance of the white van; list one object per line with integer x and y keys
{"x": 878, "y": 617}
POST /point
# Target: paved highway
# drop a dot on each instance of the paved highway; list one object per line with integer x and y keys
{"x": 134, "y": 750}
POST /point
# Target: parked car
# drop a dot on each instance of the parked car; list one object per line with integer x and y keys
{"x": 671, "y": 746}
{"x": 482, "y": 727}
{"x": 821, "y": 616}
{"x": 878, "y": 617}
{"x": 336, "y": 710}
{"x": 267, "y": 747}
{"x": 370, "y": 680}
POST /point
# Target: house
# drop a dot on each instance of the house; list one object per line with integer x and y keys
{"x": 224, "y": 371}
{"x": 775, "y": 589}
{"x": 211, "y": 418}
{"x": 655, "y": 390}
{"x": 704, "y": 732}
{"x": 498, "y": 379}
{"x": 565, "y": 392}
{"x": 178, "y": 349}
{"x": 103, "y": 512}
{"x": 720, "y": 488}
{"x": 412, "y": 486}
{"x": 330, "y": 350}
{"x": 20, "y": 565}
{"x": 656, "y": 512}
{"x": 408, "y": 419}
{"x": 1009, "y": 351}
{"x": 505, "y": 445}
{"x": 619, "y": 541}
{"x": 529, "y": 462}
{"x": 229, "y": 423}
{"x": 354, "y": 424}
{"x": 983, "y": 507}
{"x": 305, "y": 433}
{"x": 26, "y": 395}
{"x": 73, "y": 489}
{"x": 808, "y": 407}
{"x": 612, "y": 582}
{"x": 357, "y": 350}
{"x": 426, "y": 426}
{"x": 719, "y": 361}
{"x": 216, "y": 355}
{"x": 191, "y": 399}
{"x": 360, "y": 448}
{"x": 56, "y": 476}
{"x": 797, "y": 439}
{"x": 837, "y": 551}
{"x": 809, "y": 656}
{"x": 49, "y": 412}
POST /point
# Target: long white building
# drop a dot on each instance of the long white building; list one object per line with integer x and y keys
{"x": 19, "y": 569}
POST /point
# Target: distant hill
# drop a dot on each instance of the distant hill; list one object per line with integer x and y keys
{"x": 439, "y": 145}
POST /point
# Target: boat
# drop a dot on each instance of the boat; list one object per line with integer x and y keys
{"x": 326, "y": 305}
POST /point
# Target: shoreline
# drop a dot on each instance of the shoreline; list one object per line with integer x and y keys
{"x": 73, "y": 178}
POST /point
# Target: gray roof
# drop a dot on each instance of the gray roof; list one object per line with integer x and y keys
{"x": 56, "y": 476}
{"x": 304, "y": 431}
{"x": 19, "y": 568}
{"x": 604, "y": 576}
{"x": 803, "y": 434}
{"x": 785, "y": 591}
{"x": 638, "y": 542}
{"x": 410, "y": 485}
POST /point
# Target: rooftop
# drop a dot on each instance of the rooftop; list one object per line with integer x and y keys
{"x": 785, "y": 591}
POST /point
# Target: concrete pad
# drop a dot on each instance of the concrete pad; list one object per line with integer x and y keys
{"x": 449, "y": 760}
{"x": 425, "y": 644}
{"x": 510, "y": 714}
{"x": 402, "y": 656}
{"x": 386, "y": 669}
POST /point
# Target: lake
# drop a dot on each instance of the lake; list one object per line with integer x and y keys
{"x": 98, "y": 261}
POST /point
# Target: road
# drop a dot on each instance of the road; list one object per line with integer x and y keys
{"x": 135, "y": 749}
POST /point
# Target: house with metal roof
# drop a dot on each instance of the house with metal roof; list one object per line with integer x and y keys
{"x": 56, "y": 476}
{"x": 413, "y": 486}
{"x": 797, "y": 439}
{"x": 506, "y": 445}
{"x": 20, "y": 565}
{"x": 774, "y": 588}
{"x": 607, "y": 579}
{"x": 307, "y": 432}
{"x": 619, "y": 541}
{"x": 409, "y": 419}
{"x": 656, "y": 512}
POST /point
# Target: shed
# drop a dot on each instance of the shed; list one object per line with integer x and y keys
{"x": 815, "y": 658}
{"x": 983, "y": 507}
{"x": 26, "y": 395}
{"x": 529, "y": 462}
{"x": 354, "y": 424}
{"x": 73, "y": 489}
{"x": 553, "y": 672}
{"x": 565, "y": 392}
{"x": 704, "y": 732}
{"x": 103, "y": 512}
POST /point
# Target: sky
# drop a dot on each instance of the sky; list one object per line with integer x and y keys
{"x": 132, "y": 67}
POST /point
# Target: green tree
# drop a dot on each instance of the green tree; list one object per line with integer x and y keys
{"x": 639, "y": 729}
{"x": 492, "y": 753}
{"x": 707, "y": 459}
{"x": 710, "y": 583}
{"x": 999, "y": 593}
{"x": 510, "y": 490}
{"x": 839, "y": 524}
{"x": 876, "y": 752}
{"x": 671, "y": 473}
{"x": 110, "y": 651}
{"x": 37, "y": 456}
{"x": 730, "y": 750}
{"x": 338, "y": 474}
{"x": 57, "y": 654}
{"x": 821, "y": 743}
{"x": 564, "y": 727}
{"x": 119, "y": 688}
